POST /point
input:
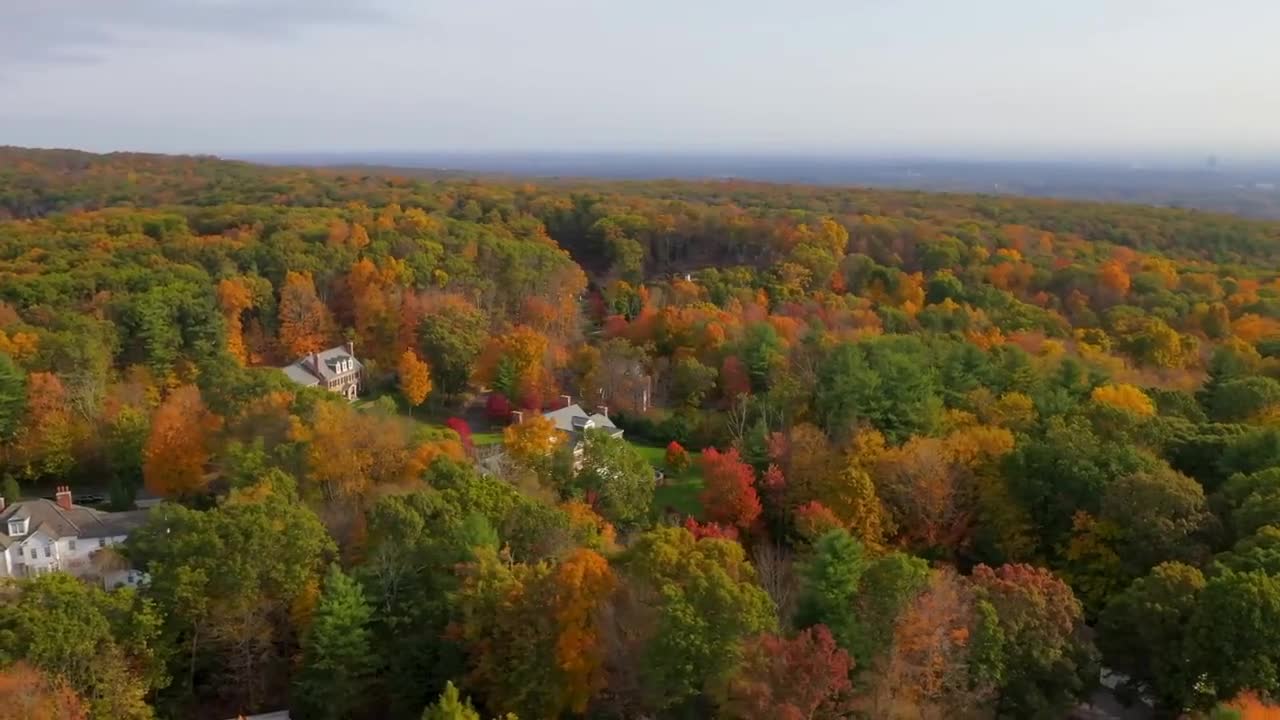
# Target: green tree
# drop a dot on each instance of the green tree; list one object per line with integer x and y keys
{"x": 705, "y": 600}
{"x": 857, "y": 595}
{"x": 337, "y": 657}
{"x": 126, "y": 437}
{"x": 230, "y": 583}
{"x": 889, "y": 382}
{"x": 106, "y": 646}
{"x": 13, "y": 397}
{"x": 450, "y": 341}
{"x": 1157, "y": 515}
{"x": 1142, "y": 632}
{"x": 1234, "y": 634}
{"x": 618, "y": 475}
{"x": 1047, "y": 663}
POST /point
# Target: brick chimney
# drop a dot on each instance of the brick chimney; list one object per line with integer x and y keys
{"x": 351, "y": 348}
{"x": 2, "y": 505}
{"x": 63, "y": 497}
{"x": 517, "y": 417}
{"x": 603, "y": 410}
{"x": 566, "y": 401}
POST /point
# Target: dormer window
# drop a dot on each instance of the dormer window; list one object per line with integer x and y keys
{"x": 18, "y": 528}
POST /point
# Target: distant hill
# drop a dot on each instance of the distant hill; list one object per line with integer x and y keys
{"x": 1253, "y": 191}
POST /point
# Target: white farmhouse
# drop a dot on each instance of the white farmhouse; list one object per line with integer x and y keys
{"x": 44, "y": 536}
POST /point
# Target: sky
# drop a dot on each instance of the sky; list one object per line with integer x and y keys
{"x": 984, "y": 78}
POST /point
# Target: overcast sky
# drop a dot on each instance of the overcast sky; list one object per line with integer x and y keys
{"x": 1050, "y": 77}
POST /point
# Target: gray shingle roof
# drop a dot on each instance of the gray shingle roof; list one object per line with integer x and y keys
{"x": 574, "y": 420}
{"x": 80, "y": 521}
{"x": 304, "y": 372}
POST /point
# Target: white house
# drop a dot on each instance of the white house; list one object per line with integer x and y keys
{"x": 43, "y": 536}
{"x": 335, "y": 369}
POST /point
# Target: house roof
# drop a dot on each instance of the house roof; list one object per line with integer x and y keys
{"x": 78, "y": 522}
{"x": 303, "y": 372}
{"x": 574, "y": 420}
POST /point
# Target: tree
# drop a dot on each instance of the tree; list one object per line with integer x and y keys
{"x": 617, "y": 476}
{"x": 703, "y": 599}
{"x": 1047, "y": 663}
{"x": 691, "y": 381}
{"x": 532, "y": 631}
{"x": 450, "y": 340}
{"x": 13, "y": 397}
{"x": 856, "y": 595}
{"x": 415, "y": 378}
{"x": 1234, "y": 634}
{"x": 1157, "y": 514}
{"x": 337, "y": 659}
{"x": 305, "y": 325}
{"x": 780, "y": 679}
{"x": 105, "y": 646}
{"x": 232, "y": 584}
{"x": 451, "y": 706}
{"x": 178, "y": 448}
{"x": 879, "y": 381}
{"x": 946, "y": 657}
{"x": 676, "y": 458}
{"x": 1142, "y": 633}
{"x": 44, "y": 445}
{"x": 729, "y": 496}
{"x": 234, "y": 297}
{"x": 1124, "y": 397}
{"x": 533, "y": 441}
{"x": 33, "y": 695}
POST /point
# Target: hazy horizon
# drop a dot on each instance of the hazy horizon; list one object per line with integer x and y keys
{"x": 1143, "y": 81}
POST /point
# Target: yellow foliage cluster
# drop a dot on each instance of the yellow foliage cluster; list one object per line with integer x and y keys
{"x": 1124, "y": 397}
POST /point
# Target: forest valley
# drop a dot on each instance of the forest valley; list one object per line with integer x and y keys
{"x": 925, "y": 455}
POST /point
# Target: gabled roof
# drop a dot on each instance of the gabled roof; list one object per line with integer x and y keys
{"x": 79, "y": 522}
{"x": 574, "y": 420}
{"x": 304, "y": 372}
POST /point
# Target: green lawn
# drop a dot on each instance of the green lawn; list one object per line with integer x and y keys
{"x": 680, "y": 490}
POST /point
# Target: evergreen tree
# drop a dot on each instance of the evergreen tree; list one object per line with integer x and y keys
{"x": 13, "y": 397}
{"x": 337, "y": 660}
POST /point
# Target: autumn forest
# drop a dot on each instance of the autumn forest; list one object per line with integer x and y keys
{"x": 883, "y": 454}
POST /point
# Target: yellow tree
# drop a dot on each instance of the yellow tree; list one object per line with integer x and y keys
{"x": 415, "y": 379}
{"x": 1124, "y": 397}
{"x": 234, "y": 297}
{"x": 532, "y": 441}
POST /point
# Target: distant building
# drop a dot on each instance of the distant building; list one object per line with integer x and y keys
{"x": 335, "y": 369}
{"x": 44, "y": 536}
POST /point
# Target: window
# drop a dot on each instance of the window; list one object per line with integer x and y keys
{"x": 33, "y": 553}
{"x": 48, "y": 551}
{"x": 71, "y": 545}
{"x": 18, "y": 528}
{"x": 102, "y": 542}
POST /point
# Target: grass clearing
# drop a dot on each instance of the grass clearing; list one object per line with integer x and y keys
{"x": 680, "y": 490}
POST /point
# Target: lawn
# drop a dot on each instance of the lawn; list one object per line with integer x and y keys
{"x": 680, "y": 491}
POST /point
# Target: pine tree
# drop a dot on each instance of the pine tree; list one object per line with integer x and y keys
{"x": 337, "y": 660}
{"x": 451, "y": 706}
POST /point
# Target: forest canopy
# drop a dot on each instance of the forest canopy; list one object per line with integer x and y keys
{"x": 880, "y": 453}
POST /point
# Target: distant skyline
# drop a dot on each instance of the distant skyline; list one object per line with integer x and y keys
{"x": 997, "y": 79}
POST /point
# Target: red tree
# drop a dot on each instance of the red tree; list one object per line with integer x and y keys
{"x": 498, "y": 407}
{"x": 730, "y": 495}
{"x": 780, "y": 679}
{"x": 734, "y": 380}
{"x": 461, "y": 427}
{"x": 677, "y": 459}
{"x": 710, "y": 530}
{"x": 813, "y": 520}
